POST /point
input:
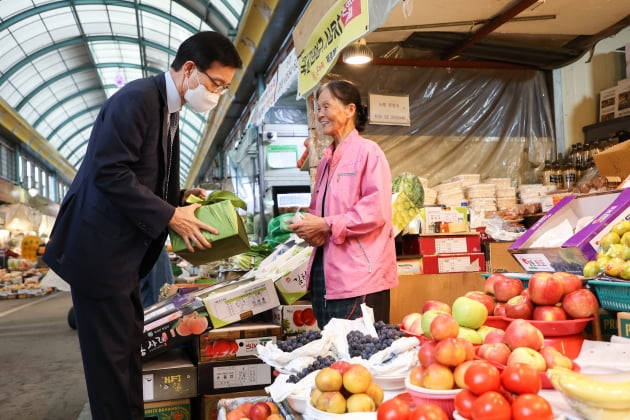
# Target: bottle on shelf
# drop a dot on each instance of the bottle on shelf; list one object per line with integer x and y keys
{"x": 547, "y": 177}
{"x": 558, "y": 175}
{"x": 578, "y": 162}
{"x": 569, "y": 175}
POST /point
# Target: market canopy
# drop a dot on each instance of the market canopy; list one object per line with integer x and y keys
{"x": 62, "y": 59}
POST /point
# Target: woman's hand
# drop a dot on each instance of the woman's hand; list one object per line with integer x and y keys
{"x": 313, "y": 229}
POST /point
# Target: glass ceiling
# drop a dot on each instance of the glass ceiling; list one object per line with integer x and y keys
{"x": 62, "y": 59}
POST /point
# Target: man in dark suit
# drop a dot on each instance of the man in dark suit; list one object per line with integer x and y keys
{"x": 113, "y": 221}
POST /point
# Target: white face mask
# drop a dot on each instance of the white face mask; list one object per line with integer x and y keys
{"x": 199, "y": 98}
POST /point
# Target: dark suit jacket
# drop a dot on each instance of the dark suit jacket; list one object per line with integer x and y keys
{"x": 112, "y": 223}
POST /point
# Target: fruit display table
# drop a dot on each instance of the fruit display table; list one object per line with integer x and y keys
{"x": 415, "y": 289}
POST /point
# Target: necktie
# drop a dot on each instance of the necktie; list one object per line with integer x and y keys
{"x": 172, "y": 128}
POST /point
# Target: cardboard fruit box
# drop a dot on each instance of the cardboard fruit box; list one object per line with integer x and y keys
{"x": 454, "y": 263}
{"x": 236, "y": 375}
{"x": 614, "y": 161}
{"x": 296, "y": 318}
{"x": 441, "y": 243}
{"x": 171, "y": 375}
{"x": 231, "y": 240}
{"x": 236, "y": 340}
{"x": 168, "y": 410}
{"x": 556, "y": 242}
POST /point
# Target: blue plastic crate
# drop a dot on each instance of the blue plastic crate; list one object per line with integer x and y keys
{"x": 612, "y": 295}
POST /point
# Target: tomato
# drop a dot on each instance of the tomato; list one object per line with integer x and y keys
{"x": 393, "y": 409}
{"x": 463, "y": 402}
{"x": 481, "y": 377}
{"x": 427, "y": 412}
{"x": 531, "y": 406}
{"x": 521, "y": 378}
{"x": 491, "y": 406}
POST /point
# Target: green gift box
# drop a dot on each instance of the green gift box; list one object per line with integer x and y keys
{"x": 231, "y": 240}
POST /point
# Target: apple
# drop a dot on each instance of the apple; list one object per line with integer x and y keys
{"x": 436, "y": 305}
{"x": 529, "y": 356}
{"x": 580, "y": 303}
{"x": 470, "y": 335}
{"x": 426, "y": 354}
{"x": 482, "y": 297}
{"x": 521, "y": 333}
{"x": 499, "y": 309}
{"x": 459, "y": 372}
{"x": 554, "y": 358}
{"x": 259, "y": 411}
{"x": 545, "y": 288}
{"x": 494, "y": 352}
{"x": 484, "y": 330}
{"x": 332, "y": 402}
{"x": 427, "y": 318}
{"x": 519, "y": 307}
{"x": 449, "y": 352}
{"x": 376, "y": 393}
{"x": 416, "y": 327}
{"x": 361, "y": 402}
{"x": 410, "y": 319}
{"x": 470, "y": 348}
{"x": 570, "y": 281}
{"x": 488, "y": 286}
{"x": 495, "y": 336}
{"x": 357, "y": 378}
{"x": 443, "y": 326}
{"x": 415, "y": 375}
{"x": 506, "y": 288}
{"x": 549, "y": 313}
{"x": 438, "y": 376}
{"x": 328, "y": 379}
{"x": 469, "y": 313}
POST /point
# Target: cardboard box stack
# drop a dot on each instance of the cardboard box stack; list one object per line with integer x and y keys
{"x": 444, "y": 253}
{"x": 200, "y": 344}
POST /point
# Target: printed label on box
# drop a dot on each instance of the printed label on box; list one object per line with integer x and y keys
{"x": 451, "y": 246}
{"x": 241, "y": 375}
{"x": 534, "y": 262}
{"x": 455, "y": 264}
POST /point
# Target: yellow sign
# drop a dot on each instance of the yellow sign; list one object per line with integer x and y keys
{"x": 346, "y": 21}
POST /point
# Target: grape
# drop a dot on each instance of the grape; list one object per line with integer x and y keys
{"x": 365, "y": 346}
{"x": 299, "y": 340}
{"x": 319, "y": 363}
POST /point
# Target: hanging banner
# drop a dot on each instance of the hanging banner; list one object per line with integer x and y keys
{"x": 346, "y": 21}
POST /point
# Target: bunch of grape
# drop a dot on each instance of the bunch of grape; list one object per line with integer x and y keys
{"x": 319, "y": 363}
{"x": 365, "y": 345}
{"x": 299, "y": 340}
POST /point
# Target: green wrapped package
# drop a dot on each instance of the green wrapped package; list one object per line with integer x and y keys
{"x": 231, "y": 240}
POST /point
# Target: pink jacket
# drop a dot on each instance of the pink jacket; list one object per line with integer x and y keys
{"x": 360, "y": 255}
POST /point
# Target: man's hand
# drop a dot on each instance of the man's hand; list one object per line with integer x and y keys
{"x": 313, "y": 229}
{"x": 189, "y": 227}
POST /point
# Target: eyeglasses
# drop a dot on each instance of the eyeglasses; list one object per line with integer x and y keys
{"x": 220, "y": 89}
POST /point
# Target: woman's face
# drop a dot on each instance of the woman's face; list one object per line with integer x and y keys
{"x": 334, "y": 116}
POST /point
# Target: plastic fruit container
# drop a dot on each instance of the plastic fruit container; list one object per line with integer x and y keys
{"x": 496, "y": 321}
{"x": 559, "y": 328}
{"x": 390, "y": 382}
{"x": 312, "y": 413}
{"x": 445, "y": 399}
{"x": 544, "y": 380}
{"x": 569, "y": 345}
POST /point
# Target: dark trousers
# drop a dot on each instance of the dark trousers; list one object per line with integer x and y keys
{"x": 349, "y": 308}
{"x": 110, "y": 335}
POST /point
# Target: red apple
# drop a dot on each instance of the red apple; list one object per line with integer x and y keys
{"x": 519, "y": 307}
{"x": 580, "y": 303}
{"x": 426, "y": 354}
{"x": 482, "y": 297}
{"x": 545, "y": 288}
{"x": 554, "y": 358}
{"x": 499, "y": 309}
{"x": 409, "y": 319}
{"x": 488, "y": 286}
{"x": 528, "y": 356}
{"x": 450, "y": 352}
{"x": 494, "y": 352}
{"x": 521, "y": 333}
{"x": 436, "y": 305}
{"x": 494, "y": 336}
{"x": 549, "y": 313}
{"x": 570, "y": 282}
{"x": 416, "y": 327}
{"x": 506, "y": 288}
{"x": 259, "y": 411}
{"x": 443, "y": 326}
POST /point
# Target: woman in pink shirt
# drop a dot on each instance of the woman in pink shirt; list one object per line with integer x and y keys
{"x": 350, "y": 218}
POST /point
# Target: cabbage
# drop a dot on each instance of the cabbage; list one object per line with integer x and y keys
{"x": 409, "y": 184}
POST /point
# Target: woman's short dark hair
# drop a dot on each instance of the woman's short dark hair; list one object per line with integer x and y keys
{"x": 347, "y": 93}
{"x": 206, "y": 47}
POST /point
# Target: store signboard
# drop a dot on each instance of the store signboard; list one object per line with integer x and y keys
{"x": 345, "y": 21}
{"x": 389, "y": 109}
